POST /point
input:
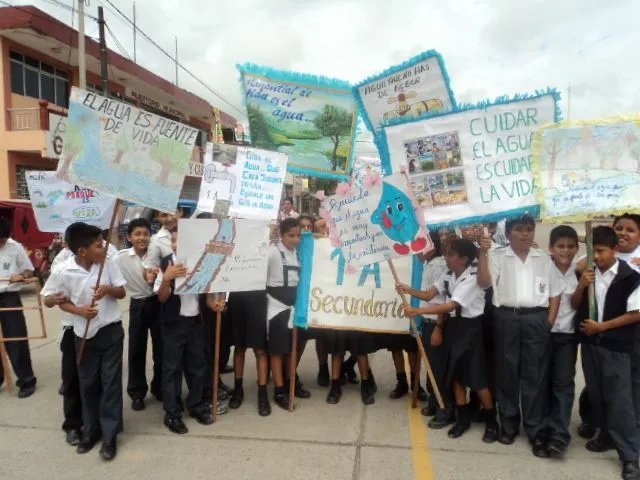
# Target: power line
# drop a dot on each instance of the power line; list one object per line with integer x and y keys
{"x": 119, "y": 45}
{"x": 191, "y": 74}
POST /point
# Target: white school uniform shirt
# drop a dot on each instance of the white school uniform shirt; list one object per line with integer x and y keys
{"x": 51, "y": 288}
{"x": 77, "y": 284}
{"x": 464, "y": 290}
{"x": 433, "y": 270}
{"x": 275, "y": 276}
{"x": 527, "y": 284}
{"x": 13, "y": 261}
{"x": 628, "y": 257}
{"x": 189, "y": 303}
{"x": 132, "y": 268}
{"x": 65, "y": 254}
{"x": 159, "y": 248}
{"x": 603, "y": 282}
{"x": 566, "y": 313}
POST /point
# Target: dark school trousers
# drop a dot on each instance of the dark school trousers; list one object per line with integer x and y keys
{"x": 71, "y": 395}
{"x": 562, "y": 372}
{"x": 522, "y": 342}
{"x": 144, "y": 319}
{"x": 183, "y": 350}
{"x": 635, "y": 376}
{"x": 100, "y": 375}
{"x": 14, "y": 325}
{"x": 438, "y": 360}
{"x": 608, "y": 378}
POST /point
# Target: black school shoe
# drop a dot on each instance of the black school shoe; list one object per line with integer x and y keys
{"x": 491, "y": 426}
{"x": 463, "y": 422}
{"x": 108, "y": 451}
{"x": 422, "y": 394}
{"x": 334, "y": 395}
{"x": 630, "y": 471}
{"x": 86, "y": 445}
{"x": 203, "y": 416}
{"x": 539, "y": 447}
{"x": 264, "y": 407}
{"x": 586, "y": 431}
{"x": 442, "y": 419}
{"x": 556, "y": 449}
{"x": 26, "y": 392}
{"x": 372, "y": 382}
{"x": 176, "y": 425}
{"x": 367, "y": 392}
{"x": 507, "y": 438}
{"x": 237, "y": 397}
{"x": 401, "y": 389}
{"x": 73, "y": 437}
{"x": 282, "y": 399}
{"x": 602, "y": 443}
{"x": 299, "y": 390}
{"x": 137, "y": 404}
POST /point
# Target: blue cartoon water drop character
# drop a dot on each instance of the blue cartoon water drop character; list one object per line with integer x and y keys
{"x": 397, "y": 218}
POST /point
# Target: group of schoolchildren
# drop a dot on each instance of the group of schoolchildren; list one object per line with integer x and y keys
{"x": 501, "y": 325}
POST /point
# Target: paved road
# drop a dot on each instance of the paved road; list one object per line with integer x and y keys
{"x": 387, "y": 440}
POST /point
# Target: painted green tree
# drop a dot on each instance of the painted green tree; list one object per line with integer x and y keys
{"x": 334, "y": 122}
{"x": 72, "y": 146}
{"x": 260, "y": 132}
{"x": 172, "y": 157}
{"x": 122, "y": 147}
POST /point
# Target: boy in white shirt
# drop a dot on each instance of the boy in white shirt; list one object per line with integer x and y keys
{"x": 15, "y": 268}
{"x": 160, "y": 245}
{"x": 607, "y": 346}
{"x": 526, "y": 296}
{"x": 563, "y": 246}
{"x": 100, "y": 369}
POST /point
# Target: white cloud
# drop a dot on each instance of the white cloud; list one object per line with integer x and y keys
{"x": 491, "y": 47}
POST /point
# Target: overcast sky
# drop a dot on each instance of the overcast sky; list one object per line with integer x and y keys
{"x": 491, "y": 47}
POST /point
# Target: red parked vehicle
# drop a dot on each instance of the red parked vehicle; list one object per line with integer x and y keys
{"x": 41, "y": 247}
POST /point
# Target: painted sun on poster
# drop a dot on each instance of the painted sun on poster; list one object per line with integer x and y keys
{"x": 117, "y": 149}
{"x": 312, "y": 119}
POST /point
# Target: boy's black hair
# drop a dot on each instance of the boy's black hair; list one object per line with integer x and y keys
{"x": 563, "y": 231}
{"x": 82, "y": 235}
{"x": 525, "y": 219}
{"x": 605, "y": 236}
{"x": 287, "y": 224}
{"x": 138, "y": 223}
{"x": 437, "y": 244}
{"x": 5, "y": 228}
{"x": 69, "y": 229}
{"x": 464, "y": 248}
{"x": 288, "y": 199}
{"x": 634, "y": 217}
{"x": 204, "y": 215}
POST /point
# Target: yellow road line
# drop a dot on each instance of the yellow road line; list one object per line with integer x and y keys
{"x": 422, "y": 465}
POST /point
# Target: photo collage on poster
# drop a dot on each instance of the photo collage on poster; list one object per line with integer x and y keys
{"x": 435, "y": 168}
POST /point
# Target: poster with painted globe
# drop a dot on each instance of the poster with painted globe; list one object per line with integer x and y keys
{"x": 311, "y": 119}
{"x": 120, "y": 150}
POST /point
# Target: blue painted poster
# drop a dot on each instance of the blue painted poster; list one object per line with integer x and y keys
{"x": 129, "y": 153}
{"x": 312, "y": 119}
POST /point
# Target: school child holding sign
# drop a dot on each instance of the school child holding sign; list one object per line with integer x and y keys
{"x": 607, "y": 346}
{"x": 462, "y": 327}
{"x": 282, "y": 282}
{"x": 526, "y": 297}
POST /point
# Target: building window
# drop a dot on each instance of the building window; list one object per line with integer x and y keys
{"x": 22, "y": 192}
{"x": 97, "y": 89}
{"x": 33, "y": 78}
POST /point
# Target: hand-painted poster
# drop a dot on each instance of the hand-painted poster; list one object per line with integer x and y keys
{"x": 121, "y": 150}
{"x": 375, "y": 222}
{"x": 472, "y": 165}
{"x": 218, "y": 184}
{"x": 222, "y": 255}
{"x": 364, "y": 165}
{"x": 416, "y": 87}
{"x": 586, "y": 169}
{"x": 332, "y": 294}
{"x": 312, "y": 119}
{"x": 260, "y": 176}
{"x": 57, "y": 204}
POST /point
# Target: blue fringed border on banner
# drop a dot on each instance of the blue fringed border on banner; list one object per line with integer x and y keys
{"x": 397, "y": 68}
{"x": 381, "y": 142}
{"x": 312, "y": 81}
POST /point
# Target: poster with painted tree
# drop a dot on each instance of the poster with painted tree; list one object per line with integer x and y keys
{"x": 117, "y": 149}
{"x": 586, "y": 169}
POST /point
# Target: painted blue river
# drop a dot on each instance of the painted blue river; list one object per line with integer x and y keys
{"x": 209, "y": 265}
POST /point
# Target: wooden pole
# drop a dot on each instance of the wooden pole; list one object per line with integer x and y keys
{"x": 293, "y": 363}
{"x": 216, "y": 365}
{"x": 593, "y": 310}
{"x": 104, "y": 260}
{"x": 414, "y": 329}
{"x": 5, "y": 364}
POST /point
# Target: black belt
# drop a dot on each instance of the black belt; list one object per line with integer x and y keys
{"x": 523, "y": 310}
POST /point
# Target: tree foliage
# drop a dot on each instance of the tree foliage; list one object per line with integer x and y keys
{"x": 334, "y": 122}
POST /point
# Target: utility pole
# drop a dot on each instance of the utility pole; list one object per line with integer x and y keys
{"x": 134, "y": 33}
{"x": 82, "y": 65}
{"x": 104, "y": 73}
{"x": 176, "y": 60}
